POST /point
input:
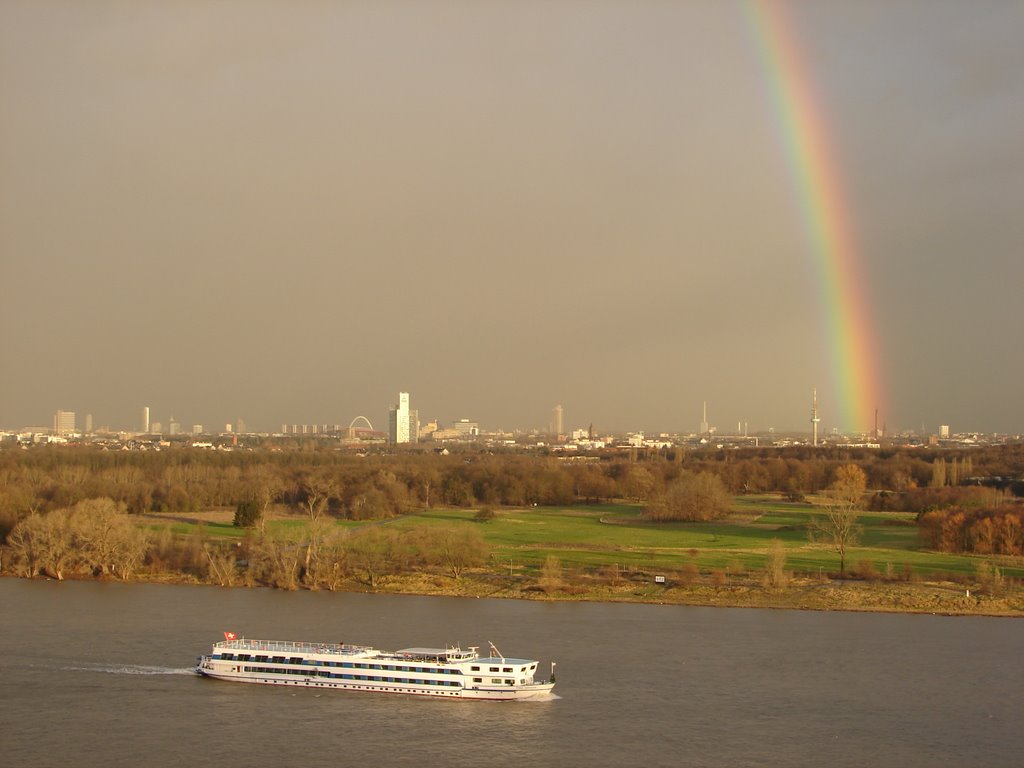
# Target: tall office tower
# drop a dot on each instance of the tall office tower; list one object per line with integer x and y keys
{"x": 240, "y": 425}
{"x": 197, "y": 429}
{"x": 145, "y": 421}
{"x": 173, "y": 427}
{"x": 399, "y": 420}
{"x": 704, "y": 420}
{"x": 944, "y": 431}
{"x": 64, "y": 422}
{"x": 557, "y": 421}
{"x": 88, "y": 423}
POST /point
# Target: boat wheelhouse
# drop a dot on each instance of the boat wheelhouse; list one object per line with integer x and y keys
{"x": 445, "y": 672}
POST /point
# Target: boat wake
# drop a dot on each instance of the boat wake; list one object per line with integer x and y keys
{"x": 552, "y": 696}
{"x": 130, "y": 669}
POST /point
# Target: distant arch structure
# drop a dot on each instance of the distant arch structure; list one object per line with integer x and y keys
{"x": 352, "y": 426}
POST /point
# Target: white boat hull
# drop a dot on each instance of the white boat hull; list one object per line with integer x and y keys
{"x": 353, "y": 668}
{"x": 489, "y": 693}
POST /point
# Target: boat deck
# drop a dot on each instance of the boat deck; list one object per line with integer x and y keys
{"x": 291, "y": 646}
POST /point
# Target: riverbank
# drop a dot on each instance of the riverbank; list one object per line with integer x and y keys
{"x": 900, "y": 597}
{"x": 945, "y": 598}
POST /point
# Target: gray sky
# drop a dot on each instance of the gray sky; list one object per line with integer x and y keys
{"x": 288, "y": 212}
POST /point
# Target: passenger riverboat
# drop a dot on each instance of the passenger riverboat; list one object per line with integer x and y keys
{"x": 444, "y": 672}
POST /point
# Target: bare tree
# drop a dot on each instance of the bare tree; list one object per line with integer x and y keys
{"x": 25, "y": 545}
{"x": 457, "y": 548}
{"x": 99, "y": 532}
{"x": 317, "y": 492}
{"x": 132, "y": 545}
{"x": 691, "y": 497}
{"x": 849, "y": 485}
{"x": 373, "y": 553}
{"x": 222, "y": 564}
{"x": 44, "y": 543}
{"x": 317, "y": 533}
{"x": 274, "y": 558}
{"x": 839, "y": 527}
{"x": 330, "y": 565}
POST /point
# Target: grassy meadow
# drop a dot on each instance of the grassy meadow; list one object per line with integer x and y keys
{"x": 616, "y": 536}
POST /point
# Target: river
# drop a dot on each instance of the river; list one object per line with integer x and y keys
{"x": 99, "y": 674}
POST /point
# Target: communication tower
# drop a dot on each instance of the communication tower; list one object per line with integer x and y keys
{"x": 814, "y": 417}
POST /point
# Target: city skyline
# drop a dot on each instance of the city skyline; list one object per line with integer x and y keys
{"x": 401, "y": 419}
{"x": 628, "y": 209}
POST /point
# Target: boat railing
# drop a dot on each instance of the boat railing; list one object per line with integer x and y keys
{"x": 292, "y": 646}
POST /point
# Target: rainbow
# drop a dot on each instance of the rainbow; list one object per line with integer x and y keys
{"x": 826, "y": 217}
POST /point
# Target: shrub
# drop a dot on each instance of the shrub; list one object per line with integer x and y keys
{"x": 990, "y": 578}
{"x": 689, "y": 574}
{"x": 775, "y": 576}
{"x": 247, "y": 514}
{"x": 866, "y": 570}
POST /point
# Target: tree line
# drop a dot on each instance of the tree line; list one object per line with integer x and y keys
{"x": 99, "y": 538}
{"x": 384, "y": 484}
{"x": 671, "y": 484}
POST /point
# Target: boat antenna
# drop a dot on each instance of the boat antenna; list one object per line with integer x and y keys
{"x": 496, "y": 652}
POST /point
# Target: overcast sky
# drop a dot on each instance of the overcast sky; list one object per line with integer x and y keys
{"x": 290, "y": 211}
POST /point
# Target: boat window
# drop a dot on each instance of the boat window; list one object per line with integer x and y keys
{"x": 494, "y": 669}
{"x": 506, "y": 669}
{"x": 475, "y": 669}
{"x": 478, "y": 679}
{"x": 496, "y": 680}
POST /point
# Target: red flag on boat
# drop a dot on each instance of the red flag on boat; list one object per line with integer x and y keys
{"x": 229, "y": 635}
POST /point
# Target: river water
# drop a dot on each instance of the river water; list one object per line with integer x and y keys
{"x": 98, "y": 674}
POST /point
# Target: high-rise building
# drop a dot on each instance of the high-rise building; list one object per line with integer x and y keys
{"x": 466, "y": 428}
{"x": 173, "y": 427}
{"x": 557, "y": 421}
{"x": 144, "y": 426}
{"x": 64, "y": 422}
{"x": 402, "y": 422}
{"x": 88, "y": 423}
{"x": 944, "y": 431}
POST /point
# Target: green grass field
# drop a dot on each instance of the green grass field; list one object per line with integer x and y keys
{"x": 616, "y": 535}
